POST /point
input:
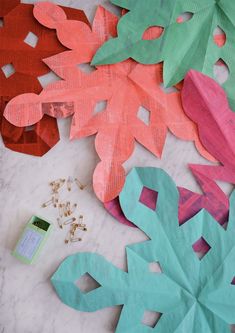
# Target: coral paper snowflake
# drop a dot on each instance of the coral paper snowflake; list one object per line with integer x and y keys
{"x": 122, "y": 88}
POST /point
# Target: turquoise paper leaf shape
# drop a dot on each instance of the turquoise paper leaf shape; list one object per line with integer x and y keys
{"x": 183, "y": 45}
{"x": 193, "y": 295}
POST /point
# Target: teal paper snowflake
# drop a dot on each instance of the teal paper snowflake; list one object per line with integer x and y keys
{"x": 187, "y": 42}
{"x": 193, "y": 295}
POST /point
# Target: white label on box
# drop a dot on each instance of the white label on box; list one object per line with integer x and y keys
{"x": 29, "y": 243}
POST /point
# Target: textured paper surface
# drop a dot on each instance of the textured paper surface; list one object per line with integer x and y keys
{"x": 18, "y": 22}
{"x": 206, "y": 103}
{"x": 213, "y": 199}
{"x": 35, "y": 140}
{"x": 192, "y": 295}
{"x": 6, "y": 6}
{"x": 124, "y": 87}
{"x": 183, "y": 45}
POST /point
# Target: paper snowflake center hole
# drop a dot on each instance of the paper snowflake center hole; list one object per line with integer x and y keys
{"x": 48, "y": 78}
{"x": 8, "y": 70}
{"x": 168, "y": 90}
{"x": 221, "y": 71}
{"x": 153, "y": 32}
{"x": 144, "y": 115}
{"x": 151, "y": 318}
{"x": 148, "y": 197}
{"x": 1, "y": 22}
{"x": 86, "y": 68}
{"x": 59, "y": 109}
{"x": 86, "y": 283}
{"x": 31, "y": 39}
{"x": 184, "y": 17}
{"x": 219, "y": 36}
{"x": 201, "y": 248}
{"x": 155, "y": 267}
{"x": 232, "y": 328}
{"x": 100, "y": 106}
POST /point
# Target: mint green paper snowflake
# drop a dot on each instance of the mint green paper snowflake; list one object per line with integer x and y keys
{"x": 182, "y": 46}
{"x": 193, "y": 295}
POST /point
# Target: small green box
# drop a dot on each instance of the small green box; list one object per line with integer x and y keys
{"x": 32, "y": 240}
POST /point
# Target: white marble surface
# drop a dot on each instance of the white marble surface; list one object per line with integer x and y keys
{"x": 28, "y": 303}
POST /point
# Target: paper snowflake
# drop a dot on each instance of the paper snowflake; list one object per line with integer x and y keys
{"x": 213, "y": 199}
{"x": 123, "y": 89}
{"x": 23, "y": 44}
{"x": 193, "y": 295}
{"x": 206, "y": 103}
{"x": 186, "y": 41}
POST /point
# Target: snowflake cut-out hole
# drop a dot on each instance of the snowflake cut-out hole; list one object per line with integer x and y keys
{"x": 152, "y": 33}
{"x": 206, "y": 248}
{"x": 100, "y": 106}
{"x": 221, "y": 71}
{"x": 233, "y": 281}
{"x": 8, "y": 70}
{"x": 48, "y": 78}
{"x": 144, "y": 115}
{"x": 184, "y": 17}
{"x": 220, "y": 36}
{"x": 86, "y": 68}
{"x": 168, "y": 90}
{"x": 148, "y": 198}
{"x": 155, "y": 267}
{"x": 86, "y": 283}
{"x": 1, "y": 23}
{"x": 31, "y": 39}
{"x": 151, "y": 318}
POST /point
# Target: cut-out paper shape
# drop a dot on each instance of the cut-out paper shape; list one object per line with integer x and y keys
{"x": 20, "y": 66}
{"x": 220, "y": 39}
{"x": 193, "y": 295}
{"x": 8, "y": 70}
{"x": 86, "y": 284}
{"x": 207, "y": 105}
{"x": 221, "y": 71}
{"x": 183, "y": 45}
{"x": 124, "y": 88}
{"x": 31, "y": 39}
{"x": 151, "y": 318}
{"x": 213, "y": 199}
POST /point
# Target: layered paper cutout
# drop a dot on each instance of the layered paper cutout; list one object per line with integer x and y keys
{"x": 123, "y": 89}
{"x": 193, "y": 295}
{"x": 25, "y": 65}
{"x": 213, "y": 199}
{"x": 183, "y": 45}
{"x": 206, "y": 103}
{"x": 34, "y": 140}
